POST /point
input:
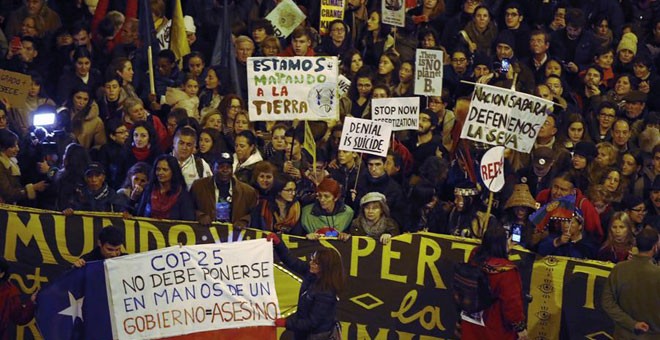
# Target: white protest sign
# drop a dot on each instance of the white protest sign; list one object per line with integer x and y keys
{"x": 344, "y": 84}
{"x": 428, "y": 72}
{"x": 285, "y": 17}
{"x": 288, "y": 88}
{"x": 364, "y": 135}
{"x": 183, "y": 290}
{"x": 330, "y": 10}
{"x": 504, "y": 117}
{"x": 402, "y": 113}
{"x": 163, "y": 35}
{"x": 491, "y": 168}
{"x": 394, "y": 12}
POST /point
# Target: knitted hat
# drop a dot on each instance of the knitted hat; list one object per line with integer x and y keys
{"x": 189, "y": 23}
{"x": 521, "y": 197}
{"x": 506, "y": 37}
{"x": 575, "y": 17}
{"x": 628, "y": 42}
{"x": 630, "y": 201}
{"x": 587, "y": 150}
{"x": 482, "y": 59}
{"x": 329, "y": 185}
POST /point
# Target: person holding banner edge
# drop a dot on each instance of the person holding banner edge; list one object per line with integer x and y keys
{"x": 323, "y": 280}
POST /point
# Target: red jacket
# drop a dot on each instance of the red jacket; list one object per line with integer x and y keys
{"x": 507, "y": 312}
{"x": 591, "y": 217}
{"x": 12, "y": 310}
{"x": 288, "y": 52}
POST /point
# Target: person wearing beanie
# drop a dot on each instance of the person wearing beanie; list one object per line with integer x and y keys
{"x": 13, "y": 311}
{"x": 518, "y": 207}
{"x": 328, "y": 215}
{"x": 517, "y": 71}
{"x": 625, "y": 53}
{"x": 374, "y": 219}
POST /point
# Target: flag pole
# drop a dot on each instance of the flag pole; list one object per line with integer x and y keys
{"x": 357, "y": 175}
{"x": 150, "y": 59}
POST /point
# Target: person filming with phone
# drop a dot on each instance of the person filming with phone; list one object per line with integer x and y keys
{"x": 508, "y": 71}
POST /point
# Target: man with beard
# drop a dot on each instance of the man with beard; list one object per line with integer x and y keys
{"x": 355, "y": 17}
{"x": 426, "y": 144}
{"x": 467, "y": 218}
{"x": 222, "y": 197}
{"x": 564, "y": 185}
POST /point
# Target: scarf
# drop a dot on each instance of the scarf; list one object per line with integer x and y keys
{"x": 102, "y": 193}
{"x": 11, "y": 164}
{"x": 141, "y": 154}
{"x": 372, "y": 229}
{"x": 275, "y": 222}
{"x": 483, "y": 40}
{"x": 162, "y": 203}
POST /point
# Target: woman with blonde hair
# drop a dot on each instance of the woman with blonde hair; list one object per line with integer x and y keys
{"x": 620, "y": 239}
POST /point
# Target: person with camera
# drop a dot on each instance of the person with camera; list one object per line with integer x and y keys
{"x": 508, "y": 71}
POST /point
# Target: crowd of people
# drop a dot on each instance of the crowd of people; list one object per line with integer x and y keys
{"x": 188, "y": 151}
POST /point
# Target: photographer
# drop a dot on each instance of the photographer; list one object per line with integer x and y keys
{"x": 508, "y": 71}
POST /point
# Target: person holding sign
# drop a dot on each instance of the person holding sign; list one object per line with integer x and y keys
{"x": 329, "y": 215}
{"x": 108, "y": 245}
{"x": 323, "y": 280}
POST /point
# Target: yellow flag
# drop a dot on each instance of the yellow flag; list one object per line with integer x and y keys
{"x": 178, "y": 41}
{"x": 310, "y": 145}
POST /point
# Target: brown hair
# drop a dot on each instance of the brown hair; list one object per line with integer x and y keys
{"x": 331, "y": 271}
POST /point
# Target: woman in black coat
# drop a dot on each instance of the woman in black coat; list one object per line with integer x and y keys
{"x": 323, "y": 280}
{"x": 166, "y": 195}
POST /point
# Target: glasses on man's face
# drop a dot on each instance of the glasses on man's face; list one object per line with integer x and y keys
{"x": 458, "y": 60}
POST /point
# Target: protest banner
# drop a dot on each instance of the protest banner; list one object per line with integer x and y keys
{"x": 402, "y": 113}
{"x": 364, "y": 135}
{"x": 189, "y": 289}
{"x": 14, "y": 87}
{"x": 394, "y": 13}
{"x": 491, "y": 168}
{"x": 428, "y": 72}
{"x": 285, "y": 17}
{"x": 331, "y": 10}
{"x": 499, "y": 116}
{"x": 163, "y": 35}
{"x": 396, "y": 291}
{"x": 288, "y": 88}
{"x": 343, "y": 85}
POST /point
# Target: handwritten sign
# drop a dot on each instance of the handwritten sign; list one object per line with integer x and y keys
{"x": 504, "y": 117}
{"x": 364, "y": 135}
{"x": 402, "y": 113}
{"x": 14, "y": 87}
{"x": 330, "y": 10}
{"x": 288, "y": 88}
{"x": 394, "y": 12}
{"x": 163, "y": 35}
{"x": 343, "y": 85}
{"x": 285, "y": 17}
{"x": 491, "y": 168}
{"x": 428, "y": 72}
{"x": 183, "y": 290}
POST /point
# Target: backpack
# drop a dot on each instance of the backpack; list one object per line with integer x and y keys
{"x": 199, "y": 165}
{"x": 471, "y": 288}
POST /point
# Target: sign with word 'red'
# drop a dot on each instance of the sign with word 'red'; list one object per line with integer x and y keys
{"x": 14, "y": 87}
{"x": 428, "y": 72}
{"x": 364, "y": 135}
{"x": 331, "y": 10}
{"x": 189, "y": 289}
{"x": 402, "y": 113}
{"x": 285, "y": 17}
{"x": 394, "y": 12}
{"x": 288, "y": 88}
{"x": 491, "y": 168}
{"x": 504, "y": 117}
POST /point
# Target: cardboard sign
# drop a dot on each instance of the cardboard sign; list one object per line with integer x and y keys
{"x": 428, "y": 72}
{"x": 163, "y": 35}
{"x": 364, "y": 135}
{"x": 504, "y": 117}
{"x": 14, "y": 87}
{"x": 393, "y": 12}
{"x": 344, "y": 84}
{"x": 331, "y": 10}
{"x": 285, "y": 17}
{"x": 491, "y": 168}
{"x": 183, "y": 290}
{"x": 402, "y": 113}
{"x": 288, "y": 88}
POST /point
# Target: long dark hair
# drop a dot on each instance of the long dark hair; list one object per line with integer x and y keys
{"x": 79, "y": 117}
{"x": 177, "y": 177}
{"x": 137, "y": 168}
{"x": 153, "y": 136}
{"x": 331, "y": 275}
{"x": 75, "y": 162}
{"x": 493, "y": 244}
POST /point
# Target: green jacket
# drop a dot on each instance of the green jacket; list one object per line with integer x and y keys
{"x": 313, "y": 218}
{"x": 631, "y": 295}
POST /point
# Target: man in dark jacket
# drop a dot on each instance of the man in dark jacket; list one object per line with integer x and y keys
{"x": 108, "y": 246}
{"x": 376, "y": 179}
